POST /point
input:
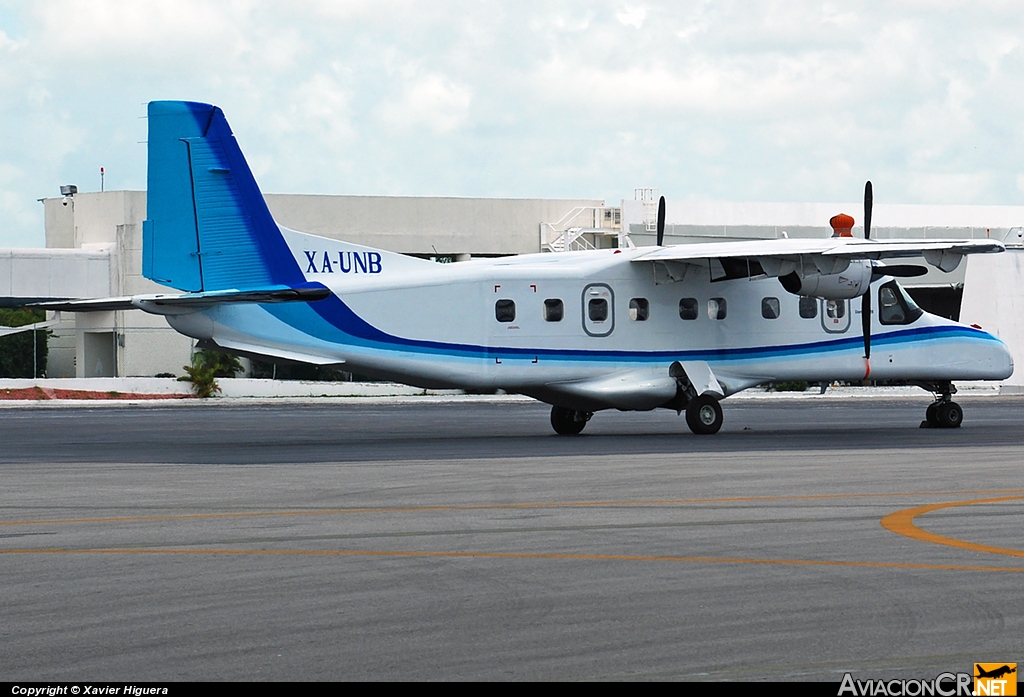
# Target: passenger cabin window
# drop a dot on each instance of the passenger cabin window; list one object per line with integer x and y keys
{"x": 554, "y": 310}
{"x": 597, "y": 309}
{"x": 688, "y": 308}
{"x": 716, "y": 308}
{"x": 639, "y": 309}
{"x": 770, "y": 308}
{"x": 808, "y": 307}
{"x": 505, "y": 310}
{"x": 895, "y": 306}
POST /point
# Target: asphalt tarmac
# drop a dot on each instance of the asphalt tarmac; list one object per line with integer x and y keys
{"x": 466, "y": 541}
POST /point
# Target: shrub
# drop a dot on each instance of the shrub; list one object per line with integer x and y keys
{"x": 206, "y": 367}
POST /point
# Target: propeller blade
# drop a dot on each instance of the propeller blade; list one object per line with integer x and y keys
{"x": 865, "y": 303}
{"x": 661, "y": 221}
{"x": 868, "y": 203}
{"x": 898, "y": 271}
{"x": 865, "y": 320}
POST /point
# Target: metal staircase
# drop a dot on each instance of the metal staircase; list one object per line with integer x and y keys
{"x": 580, "y": 229}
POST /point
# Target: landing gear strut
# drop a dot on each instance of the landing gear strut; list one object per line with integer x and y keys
{"x": 943, "y": 412}
{"x": 569, "y": 422}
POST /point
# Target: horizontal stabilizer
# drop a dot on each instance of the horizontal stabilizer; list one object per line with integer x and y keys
{"x": 85, "y": 305}
{"x": 172, "y": 304}
{"x": 7, "y": 331}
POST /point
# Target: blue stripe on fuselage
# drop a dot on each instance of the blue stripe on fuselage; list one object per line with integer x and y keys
{"x": 331, "y": 320}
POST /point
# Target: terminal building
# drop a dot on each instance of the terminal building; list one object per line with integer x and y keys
{"x": 94, "y": 249}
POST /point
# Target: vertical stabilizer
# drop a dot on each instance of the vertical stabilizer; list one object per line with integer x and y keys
{"x": 208, "y": 227}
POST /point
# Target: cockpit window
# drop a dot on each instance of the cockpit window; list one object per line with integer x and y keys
{"x": 895, "y": 306}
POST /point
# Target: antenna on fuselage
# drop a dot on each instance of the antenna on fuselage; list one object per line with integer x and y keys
{"x": 661, "y": 221}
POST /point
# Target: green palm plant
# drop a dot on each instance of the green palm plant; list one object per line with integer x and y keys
{"x": 206, "y": 367}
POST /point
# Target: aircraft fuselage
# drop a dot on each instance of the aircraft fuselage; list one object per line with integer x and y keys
{"x": 544, "y": 324}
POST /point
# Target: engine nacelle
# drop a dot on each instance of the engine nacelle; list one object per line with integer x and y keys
{"x": 852, "y": 282}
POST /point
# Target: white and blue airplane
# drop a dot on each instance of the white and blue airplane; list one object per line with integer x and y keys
{"x": 678, "y": 327}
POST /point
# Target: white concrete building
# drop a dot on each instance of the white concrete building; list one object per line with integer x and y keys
{"x": 105, "y": 230}
{"x": 94, "y": 249}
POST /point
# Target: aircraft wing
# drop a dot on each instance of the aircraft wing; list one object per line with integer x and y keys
{"x": 170, "y": 304}
{"x": 781, "y": 256}
{"x": 836, "y": 247}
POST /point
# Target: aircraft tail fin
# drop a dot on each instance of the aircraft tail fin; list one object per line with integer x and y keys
{"x": 207, "y": 226}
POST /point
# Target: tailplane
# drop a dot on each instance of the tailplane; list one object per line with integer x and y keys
{"x": 208, "y": 227}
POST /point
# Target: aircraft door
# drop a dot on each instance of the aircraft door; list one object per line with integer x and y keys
{"x": 598, "y": 309}
{"x": 835, "y": 316}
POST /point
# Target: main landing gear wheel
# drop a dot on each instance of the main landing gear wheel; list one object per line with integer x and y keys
{"x": 704, "y": 415}
{"x": 943, "y": 415}
{"x": 569, "y": 422}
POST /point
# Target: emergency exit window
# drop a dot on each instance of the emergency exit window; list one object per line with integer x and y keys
{"x": 505, "y": 310}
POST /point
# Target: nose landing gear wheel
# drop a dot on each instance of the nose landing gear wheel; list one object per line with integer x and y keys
{"x": 943, "y": 412}
{"x": 568, "y": 422}
{"x": 704, "y": 415}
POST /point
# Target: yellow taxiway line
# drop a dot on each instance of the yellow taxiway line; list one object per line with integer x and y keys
{"x": 521, "y": 555}
{"x": 502, "y": 506}
{"x": 902, "y": 523}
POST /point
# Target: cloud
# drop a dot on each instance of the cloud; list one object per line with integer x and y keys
{"x": 632, "y": 16}
{"x": 952, "y": 187}
{"x": 188, "y": 31}
{"x": 754, "y": 101}
{"x": 432, "y": 101}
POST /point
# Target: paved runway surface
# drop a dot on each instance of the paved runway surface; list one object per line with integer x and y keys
{"x": 467, "y": 541}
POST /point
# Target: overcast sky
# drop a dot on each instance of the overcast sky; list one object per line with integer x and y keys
{"x": 740, "y": 101}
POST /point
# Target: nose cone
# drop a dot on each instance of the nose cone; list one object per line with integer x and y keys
{"x": 969, "y": 354}
{"x": 1007, "y": 361}
{"x": 996, "y": 361}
